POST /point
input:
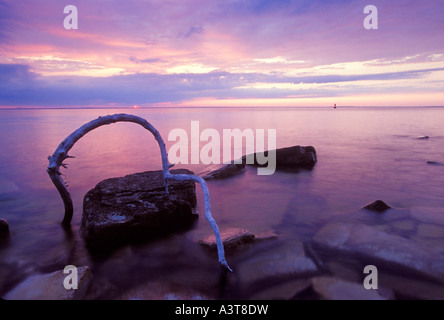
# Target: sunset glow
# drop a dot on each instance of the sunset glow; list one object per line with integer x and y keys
{"x": 221, "y": 53}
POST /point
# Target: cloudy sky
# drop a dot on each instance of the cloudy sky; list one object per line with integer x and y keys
{"x": 221, "y": 53}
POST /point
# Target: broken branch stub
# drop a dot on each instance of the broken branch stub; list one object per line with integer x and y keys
{"x": 61, "y": 153}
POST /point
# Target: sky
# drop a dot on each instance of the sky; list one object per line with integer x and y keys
{"x": 163, "y": 53}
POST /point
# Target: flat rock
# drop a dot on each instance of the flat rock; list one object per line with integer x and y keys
{"x": 231, "y": 238}
{"x": 378, "y": 206}
{"x": 277, "y": 264}
{"x": 50, "y": 287}
{"x": 380, "y": 248}
{"x": 222, "y": 171}
{"x": 337, "y": 289}
{"x": 287, "y": 158}
{"x": 265, "y": 236}
{"x": 137, "y": 205}
{"x": 157, "y": 290}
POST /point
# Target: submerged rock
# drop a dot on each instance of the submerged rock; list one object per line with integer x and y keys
{"x": 137, "y": 206}
{"x": 222, "y": 171}
{"x": 285, "y": 291}
{"x": 276, "y": 265}
{"x": 423, "y": 137}
{"x": 231, "y": 238}
{"x": 50, "y": 287}
{"x": 337, "y": 289}
{"x": 432, "y": 215}
{"x": 430, "y": 231}
{"x": 287, "y": 158}
{"x": 378, "y": 206}
{"x": 379, "y": 248}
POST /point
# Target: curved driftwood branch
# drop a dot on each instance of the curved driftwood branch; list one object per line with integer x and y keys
{"x": 61, "y": 153}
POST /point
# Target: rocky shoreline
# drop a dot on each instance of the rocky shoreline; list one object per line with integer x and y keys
{"x": 330, "y": 266}
{"x": 267, "y": 265}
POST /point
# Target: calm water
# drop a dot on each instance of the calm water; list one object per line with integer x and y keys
{"x": 363, "y": 155}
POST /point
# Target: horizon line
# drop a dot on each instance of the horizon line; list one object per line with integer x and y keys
{"x": 206, "y": 107}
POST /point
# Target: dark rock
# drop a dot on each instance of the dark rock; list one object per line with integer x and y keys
{"x": 378, "y": 206}
{"x": 4, "y": 227}
{"x": 231, "y": 238}
{"x": 223, "y": 171}
{"x": 290, "y": 158}
{"x": 435, "y": 163}
{"x": 423, "y": 137}
{"x": 137, "y": 207}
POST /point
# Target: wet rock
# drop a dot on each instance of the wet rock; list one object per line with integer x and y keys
{"x": 50, "y": 287}
{"x": 369, "y": 244}
{"x": 378, "y": 206}
{"x": 291, "y": 158}
{"x": 337, "y": 289}
{"x": 276, "y": 264}
{"x": 222, "y": 171}
{"x": 423, "y": 137}
{"x": 4, "y": 227}
{"x": 231, "y": 238}
{"x": 158, "y": 290}
{"x": 137, "y": 206}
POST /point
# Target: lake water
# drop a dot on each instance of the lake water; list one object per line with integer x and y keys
{"x": 364, "y": 154}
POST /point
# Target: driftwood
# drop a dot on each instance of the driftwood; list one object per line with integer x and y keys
{"x": 61, "y": 154}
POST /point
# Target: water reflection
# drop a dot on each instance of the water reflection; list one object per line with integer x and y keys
{"x": 363, "y": 155}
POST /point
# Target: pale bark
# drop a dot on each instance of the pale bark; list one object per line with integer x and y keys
{"x": 61, "y": 153}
